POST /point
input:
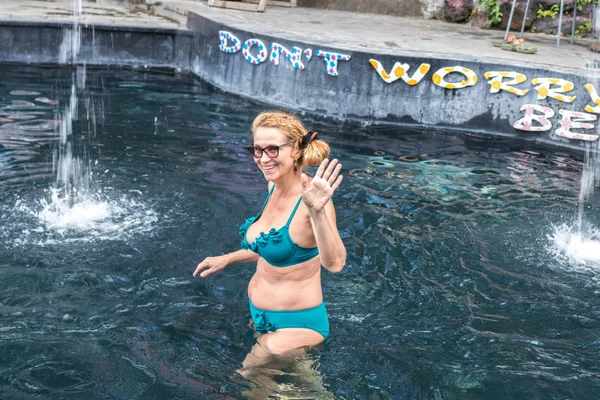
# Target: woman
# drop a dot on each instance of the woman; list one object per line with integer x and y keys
{"x": 290, "y": 238}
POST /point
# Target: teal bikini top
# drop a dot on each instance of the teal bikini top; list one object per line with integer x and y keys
{"x": 276, "y": 246}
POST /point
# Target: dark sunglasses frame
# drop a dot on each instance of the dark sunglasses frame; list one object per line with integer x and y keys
{"x": 272, "y": 150}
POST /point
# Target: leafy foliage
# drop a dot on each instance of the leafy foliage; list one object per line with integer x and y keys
{"x": 492, "y": 8}
{"x": 552, "y": 12}
{"x": 583, "y": 3}
{"x": 583, "y": 28}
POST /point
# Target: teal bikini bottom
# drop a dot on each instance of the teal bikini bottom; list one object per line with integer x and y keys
{"x": 270, "y": 320}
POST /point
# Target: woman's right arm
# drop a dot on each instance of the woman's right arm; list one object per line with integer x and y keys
{"x": 215, "y": 264}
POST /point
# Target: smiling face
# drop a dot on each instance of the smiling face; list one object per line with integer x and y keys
{"x": 280, "y": 167}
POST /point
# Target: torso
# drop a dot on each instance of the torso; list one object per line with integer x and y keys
{"x": 293, "y": 287}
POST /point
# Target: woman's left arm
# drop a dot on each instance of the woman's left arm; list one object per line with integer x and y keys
{"x": 316, "y": 195}
{"x": 331, "y": 248}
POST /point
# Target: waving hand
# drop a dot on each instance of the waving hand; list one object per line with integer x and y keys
{"x": 317, "y": 192}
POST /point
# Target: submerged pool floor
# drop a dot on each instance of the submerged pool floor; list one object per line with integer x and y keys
{"x": 460, "y": 282}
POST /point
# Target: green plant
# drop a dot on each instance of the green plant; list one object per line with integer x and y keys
{"x": 583, "y": 3}
{"x": 581, "y": 29}
{"x": 492, "y": 8}
{"x": 474, "y": 13}
{"x": 552, "y": 12}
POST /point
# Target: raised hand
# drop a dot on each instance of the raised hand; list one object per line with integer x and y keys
{"x": 317, "y": 192}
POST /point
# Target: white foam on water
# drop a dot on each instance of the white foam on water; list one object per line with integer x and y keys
{"x": 94, "y": 218}
{"x": 580, "y": 251}
{"x": 59, "y": 214}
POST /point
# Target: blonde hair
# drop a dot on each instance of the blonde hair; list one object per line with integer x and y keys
{"x": 313, "y": 154}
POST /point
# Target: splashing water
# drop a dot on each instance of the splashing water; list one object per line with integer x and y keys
{"x": 71, "y": 44}
{"x": 71, "y": 176}
{"x": 60, "y": 214}
{"x": 57, "y": 220}
{"x": 590, "y": 178}
{"x": 576, "y": 248}
{"x": 578, "y": 245}
{"x": 75, "y": 208}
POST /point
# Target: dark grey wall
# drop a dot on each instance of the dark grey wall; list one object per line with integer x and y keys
{"x": 41, "y": 43}
{"x": 359, "y": 93}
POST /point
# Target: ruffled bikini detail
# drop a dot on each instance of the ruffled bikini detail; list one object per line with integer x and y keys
{"x": 261, "y": 325}
{"x": 262, "y": 240}
{"x": 282, "y": 251}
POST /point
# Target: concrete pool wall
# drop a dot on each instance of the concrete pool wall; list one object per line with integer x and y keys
{"x": 455, "y": 93}
{"x": 356, "y": 90}
{"x": 41, "y": 42}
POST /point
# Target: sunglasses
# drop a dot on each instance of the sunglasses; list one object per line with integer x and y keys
{"x": 272, "y": 151}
